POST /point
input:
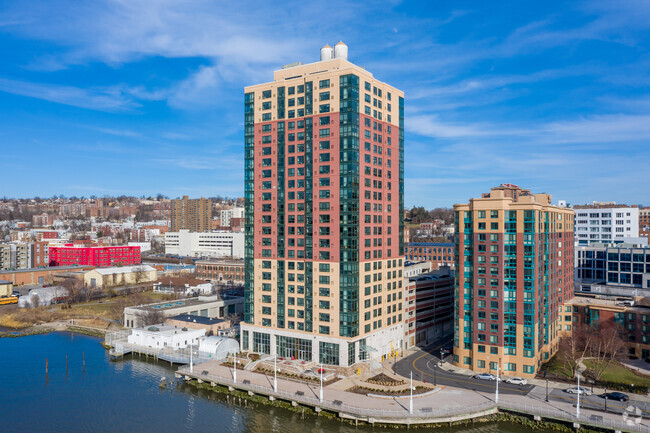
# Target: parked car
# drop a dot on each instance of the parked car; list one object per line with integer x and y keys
{"x": 486, "y": 376}
{"x": 618, "y": 396}
{"x": 448, "y": 348}
{"x": 576, "y": 390}
{"x": 517, "y": 381}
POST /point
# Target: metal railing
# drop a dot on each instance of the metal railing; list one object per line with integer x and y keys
{"x": 338, "y": 406}
{"x": 633, "y": 422}
{"x": 111, "y": 337}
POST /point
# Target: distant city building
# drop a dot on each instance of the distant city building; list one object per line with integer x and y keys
{"x": 644, "y": 223}
{"x": 227, "y": 214}
{"x": 221, "y": 271}
{"x": 620, "y": 265}
{"x": 632, "y": 317}
{"x": 606, "y": 223}
{"x": 514, "y": 267}
{"x": 40, "y": 254}
{"x": 120, "y": 276}
{"x": 43, "y": 220}
{"x": 186, "y": 286}
{"x": 100, "y": 256}
{"x": 144, "y": 235}
{"x": 438, "y": 254}
{"x": 194, "y": 215}
{"x": 413, "y": 269}
{"x": 24, "y": 255}
{"x": 429, "y": 307}
{"x": 144, "y": 246}
{"x": 31, "y": 276}
{"x": 205, "y": 244}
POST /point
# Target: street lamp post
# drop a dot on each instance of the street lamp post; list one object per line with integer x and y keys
{"x": 546, "y": 389}
{"x": 435, "y": 375}
{"x": 234, "y": 364}
{"x": 275, "y": 374}
{"x": 191, "y": 360}
{"x": 411, "y": 400}
{"x": 321, "y": 383}
{"x": 578, "y": 405}
{"x": 441, "y": 355}
{"x": 496, "y": 395}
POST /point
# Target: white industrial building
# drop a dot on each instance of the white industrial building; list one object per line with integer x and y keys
{"x": 213, "y": 244}
{"x": 606, "y": 223}
{"x": 162, "y": 336}
{"x": 204, "y": 306}
{"x": 144, "y": 246}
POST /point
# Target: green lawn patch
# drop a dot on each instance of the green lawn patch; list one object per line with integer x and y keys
{"x": 617, "y": 373}
{"x": 555, "y": 368}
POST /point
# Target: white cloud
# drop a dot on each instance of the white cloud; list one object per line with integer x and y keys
{"x": 103, "y": 99}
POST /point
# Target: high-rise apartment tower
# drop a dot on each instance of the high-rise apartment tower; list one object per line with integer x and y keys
{"x": 194, "y": 215}
{"x": 324, "y": 176}
{"x": 514, "y": 272}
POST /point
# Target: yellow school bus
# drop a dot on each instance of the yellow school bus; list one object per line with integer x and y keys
{"x": 9, "y": 300}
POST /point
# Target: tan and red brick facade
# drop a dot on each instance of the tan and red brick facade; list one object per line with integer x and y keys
{"x": 324, "y": 184}
{"x": 514, "y": 262}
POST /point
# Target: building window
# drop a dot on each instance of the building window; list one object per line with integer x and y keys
{"x": 261, "y": 343}
{"x": 328, "y": 353}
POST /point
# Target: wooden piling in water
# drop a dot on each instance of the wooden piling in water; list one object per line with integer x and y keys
{"x": 47, "y": 362}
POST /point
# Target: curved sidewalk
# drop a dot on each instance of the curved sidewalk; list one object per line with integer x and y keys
{"x": 447, "y": 405}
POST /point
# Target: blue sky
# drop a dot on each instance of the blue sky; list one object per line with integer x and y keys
{"x": 140, "y": 97}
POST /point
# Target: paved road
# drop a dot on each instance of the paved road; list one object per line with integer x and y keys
{"x": 597, "y": 402}
{"x": 424, "y": 367}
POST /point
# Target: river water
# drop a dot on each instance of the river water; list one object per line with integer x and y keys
{"x": 125, "y": 396}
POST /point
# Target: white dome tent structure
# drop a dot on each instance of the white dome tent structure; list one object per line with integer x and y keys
{"x": 218, "y": 348}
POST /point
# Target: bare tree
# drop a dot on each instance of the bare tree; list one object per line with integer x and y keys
{"x": 139, "y": 274}
{"x": 607, "y": 344}
{"x": 574, "y": 347}
{"x": 75, "y": 287}
{"x": 152, "y": 317}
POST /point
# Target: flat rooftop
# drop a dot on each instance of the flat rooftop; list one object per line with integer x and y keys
{"x": 49, "y": 268}
{"x": 188, "y": 302}
{"x": 191, "y": 318}
{"x": 165, "y": 329}
{"x": 613, "y": 304}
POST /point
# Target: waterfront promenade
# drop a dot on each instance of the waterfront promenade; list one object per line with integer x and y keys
{"x": 441, "y": 405}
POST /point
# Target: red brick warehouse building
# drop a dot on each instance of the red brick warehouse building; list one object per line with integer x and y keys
{"x": 94, "y": 256}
